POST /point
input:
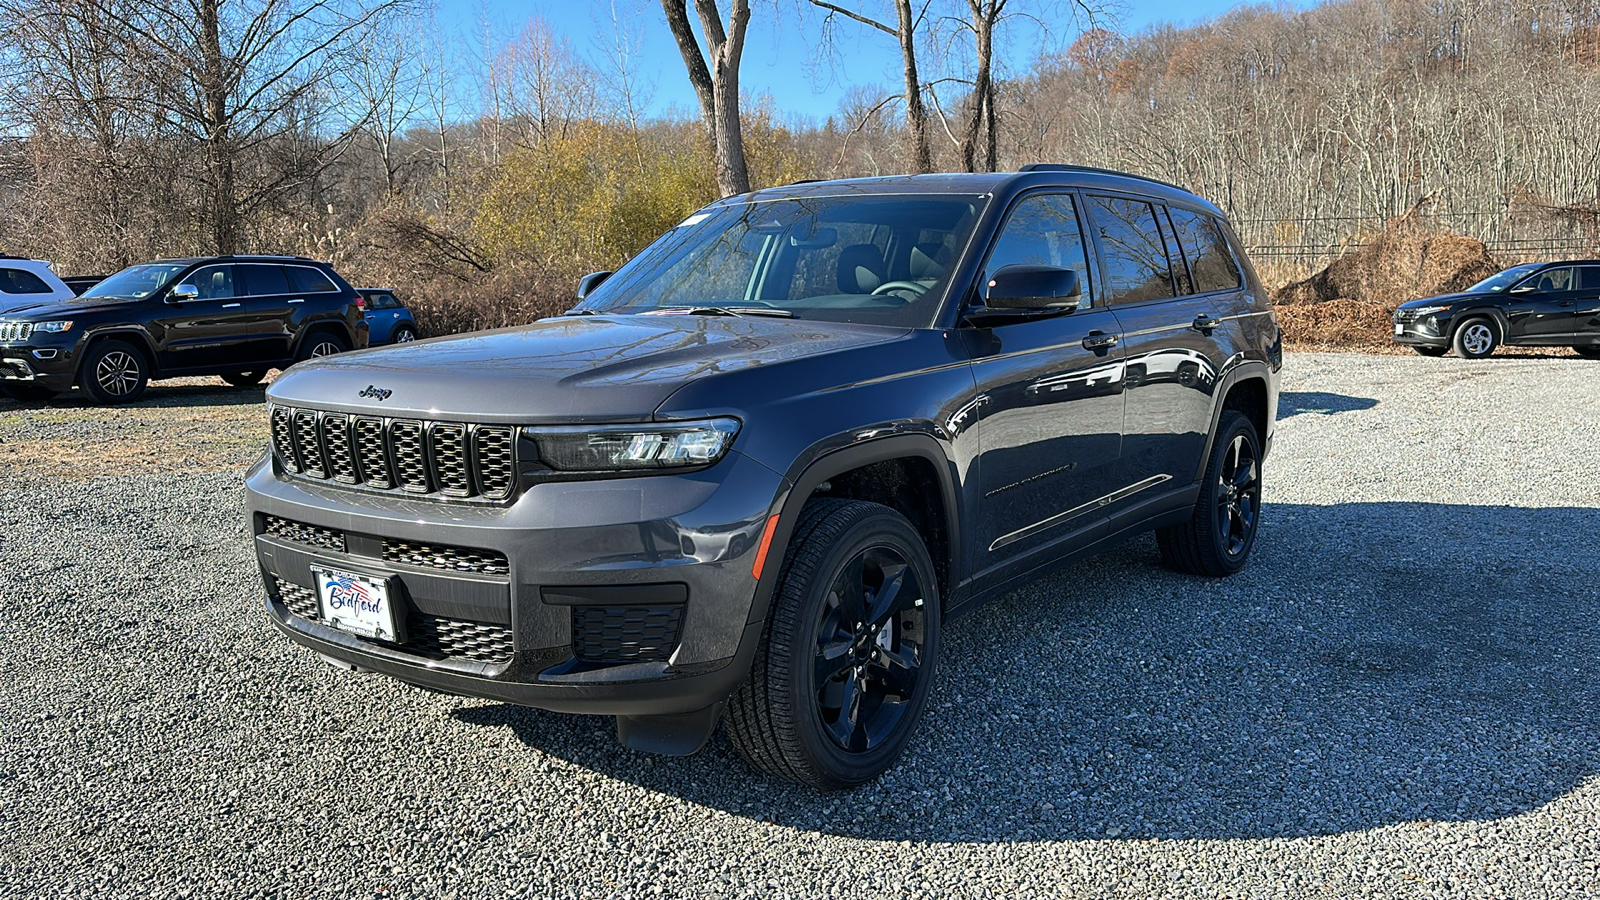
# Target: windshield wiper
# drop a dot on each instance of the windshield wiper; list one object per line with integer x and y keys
{"x": 579, "y": 312}
{"x": 740, "y": 311}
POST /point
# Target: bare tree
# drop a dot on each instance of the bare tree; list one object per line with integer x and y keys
{"x": 387, "y": 78}
{"x": 907, "y": 23}
{"x": 716, "y": 82}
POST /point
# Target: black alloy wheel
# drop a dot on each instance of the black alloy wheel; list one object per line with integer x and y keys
{"x": 849, "y": 650}
{"x": 869, "y": 650}
{"x": 1221, "y": 531}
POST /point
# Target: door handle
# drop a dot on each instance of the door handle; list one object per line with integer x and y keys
{"x": 230, "y": 306}
{"x": 1565, "y": 303}
{"x": 298, "y": 300}
{"x": 1100, "y": 342}
{"x": 1205, "y": 324}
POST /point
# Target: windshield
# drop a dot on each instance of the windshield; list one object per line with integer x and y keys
{"x": 875, "y": 259}
{"x": 136, "y": 282}
{"x": 1504, "y": 279}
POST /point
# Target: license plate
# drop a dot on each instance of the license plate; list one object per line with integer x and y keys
{"x": 1399, "y": 329}
{"x": 356, "y": 603}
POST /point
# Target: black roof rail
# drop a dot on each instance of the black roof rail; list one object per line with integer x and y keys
{"x": 266, "y": 256}
{"x": 1094, "y": 170}
{"x": 805, "y": 181}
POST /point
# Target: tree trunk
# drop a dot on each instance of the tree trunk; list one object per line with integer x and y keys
{"x": 921, "y": 154}
{"x": 717, "y": 84}
{"x": 978, "y": 143}
{"x": 218, "y": 136}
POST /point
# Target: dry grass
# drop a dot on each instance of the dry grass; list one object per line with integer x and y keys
{"x": 189, "y": 425}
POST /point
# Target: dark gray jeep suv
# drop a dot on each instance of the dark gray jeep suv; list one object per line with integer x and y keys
{"x": 749, "y": 477}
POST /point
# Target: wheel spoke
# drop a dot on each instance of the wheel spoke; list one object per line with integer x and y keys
{"x": 898, "y": 671}
{"x": 832, "y": 660}
{"x": 852, "y": 593}
{"x": 1245, "y": 476}
{"x": 887, "y": 599}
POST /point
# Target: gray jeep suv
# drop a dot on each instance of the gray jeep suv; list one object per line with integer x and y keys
{"x": 752, "y": 474}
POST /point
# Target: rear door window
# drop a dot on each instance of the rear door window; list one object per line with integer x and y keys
{"x": 21, "y": 281}
{"x": 1135, "y": 255}
{"x": 261, "y": 281}
{"x": 307, "y": 280}
{"x": 1589, "y": 278}
{"x": 1210, "y": 260}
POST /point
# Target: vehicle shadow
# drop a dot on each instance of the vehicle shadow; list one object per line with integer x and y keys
{"x": 183, "y": 394}
{"x": 1294, "y": 403}
{"x": 1376, "y": 664}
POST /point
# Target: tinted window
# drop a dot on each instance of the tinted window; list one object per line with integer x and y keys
{"x": 1204, "y": 246}
{"x": 261, "y": 281}
{"x": 136, "y": 282}
{"x": 1042, "y": 231}
{"x": 307, "y": 280}
{"x": 1589, "y": 278}
{"x": 1180, "y": 271}
{"x": 213, "y": 282}
{"x": 1135, "y": 255}
{"x": 21, "y": 281}
{"x": 1551, "y": 280}
{"x": 383, "y": 301}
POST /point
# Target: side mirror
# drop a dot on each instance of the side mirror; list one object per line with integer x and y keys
{"x": 1034, "y": 287}
{"x": 183, "y": 292}
{"x": 1523, "y": 288}
{"x": 589, "y": 282}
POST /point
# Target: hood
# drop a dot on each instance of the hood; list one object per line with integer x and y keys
{"x": 1447, "y": 299}
{"x": 62, "y": 309}
{"x": 567, "y": 369}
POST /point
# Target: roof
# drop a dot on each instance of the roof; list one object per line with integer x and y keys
{"x": 1033, "y": 175}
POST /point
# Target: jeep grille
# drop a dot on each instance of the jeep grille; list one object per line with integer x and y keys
{"x": 446, "y": 459}
{"x": 15, "y": 331}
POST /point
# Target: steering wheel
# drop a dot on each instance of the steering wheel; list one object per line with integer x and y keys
{"x": 916, "y": 288}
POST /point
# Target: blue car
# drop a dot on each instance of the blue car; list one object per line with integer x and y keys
{"x": 387, "y": 318}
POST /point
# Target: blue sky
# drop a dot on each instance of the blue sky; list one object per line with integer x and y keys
{"x": 782, "y": 57}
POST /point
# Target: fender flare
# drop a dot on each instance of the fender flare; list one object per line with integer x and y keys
{"x": 314, "y": 325}
{"x": 140, "y": 337}
{"x": 1501, "y": 321}
{"x": 788, "y": 504}
{"x": 1244, "y": 371}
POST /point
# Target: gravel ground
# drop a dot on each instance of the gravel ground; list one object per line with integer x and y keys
{"x": 1396, "y": 698}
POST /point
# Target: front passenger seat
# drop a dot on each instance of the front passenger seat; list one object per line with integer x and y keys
{"x": 861, "y": 269}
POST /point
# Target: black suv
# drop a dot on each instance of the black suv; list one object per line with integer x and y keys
{"x": 1534, "y": 305}
{"x": 234, "y": 316}
{"x": 751, "y": 474}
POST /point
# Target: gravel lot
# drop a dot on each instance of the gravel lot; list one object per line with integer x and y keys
{"x": 1398, "y": 697}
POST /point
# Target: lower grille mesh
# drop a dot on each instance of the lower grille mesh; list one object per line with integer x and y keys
{"x": 301, "y": 533}
{"x": 441, "y": 556}
{"x": 625, "y": 634}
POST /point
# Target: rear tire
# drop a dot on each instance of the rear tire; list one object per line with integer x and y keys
{"x": 1431, "y": 351}
{"x": 1476, "y": 338}
{"x": 322, "y": 343}
{"x": 403, "y": 335}
{"x": 114, "y": 372}
{"x": 848, "y": 654}
{"x": 245, "y": 379}
{"x": 1220, "y": 533}
{"x": 1587, "y": 352}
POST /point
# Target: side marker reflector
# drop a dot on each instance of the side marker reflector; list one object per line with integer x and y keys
{"x": 764, "y": 546}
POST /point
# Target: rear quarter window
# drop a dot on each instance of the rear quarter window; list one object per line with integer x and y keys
{"x": 21, "y": 281}
{"x": 1210, "y": 260}
{"x": 306, "y": 280}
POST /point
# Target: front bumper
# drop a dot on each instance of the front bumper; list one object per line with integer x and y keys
{"x": 48, "y": 364}
{"x": 627, "y": 597}
{"x": 1427, "y": 331}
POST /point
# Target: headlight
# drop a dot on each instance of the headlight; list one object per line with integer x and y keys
{"x": 53, "y": 327}
{"x": 610, "y": 448}
{"x": 1428, "y": 310}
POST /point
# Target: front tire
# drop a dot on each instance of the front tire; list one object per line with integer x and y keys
{"x": 1476, "y": 338}
{"x": 848, "y": 653}
{"x": 114, "y": 372}
{"x": 1220, "y": 533}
